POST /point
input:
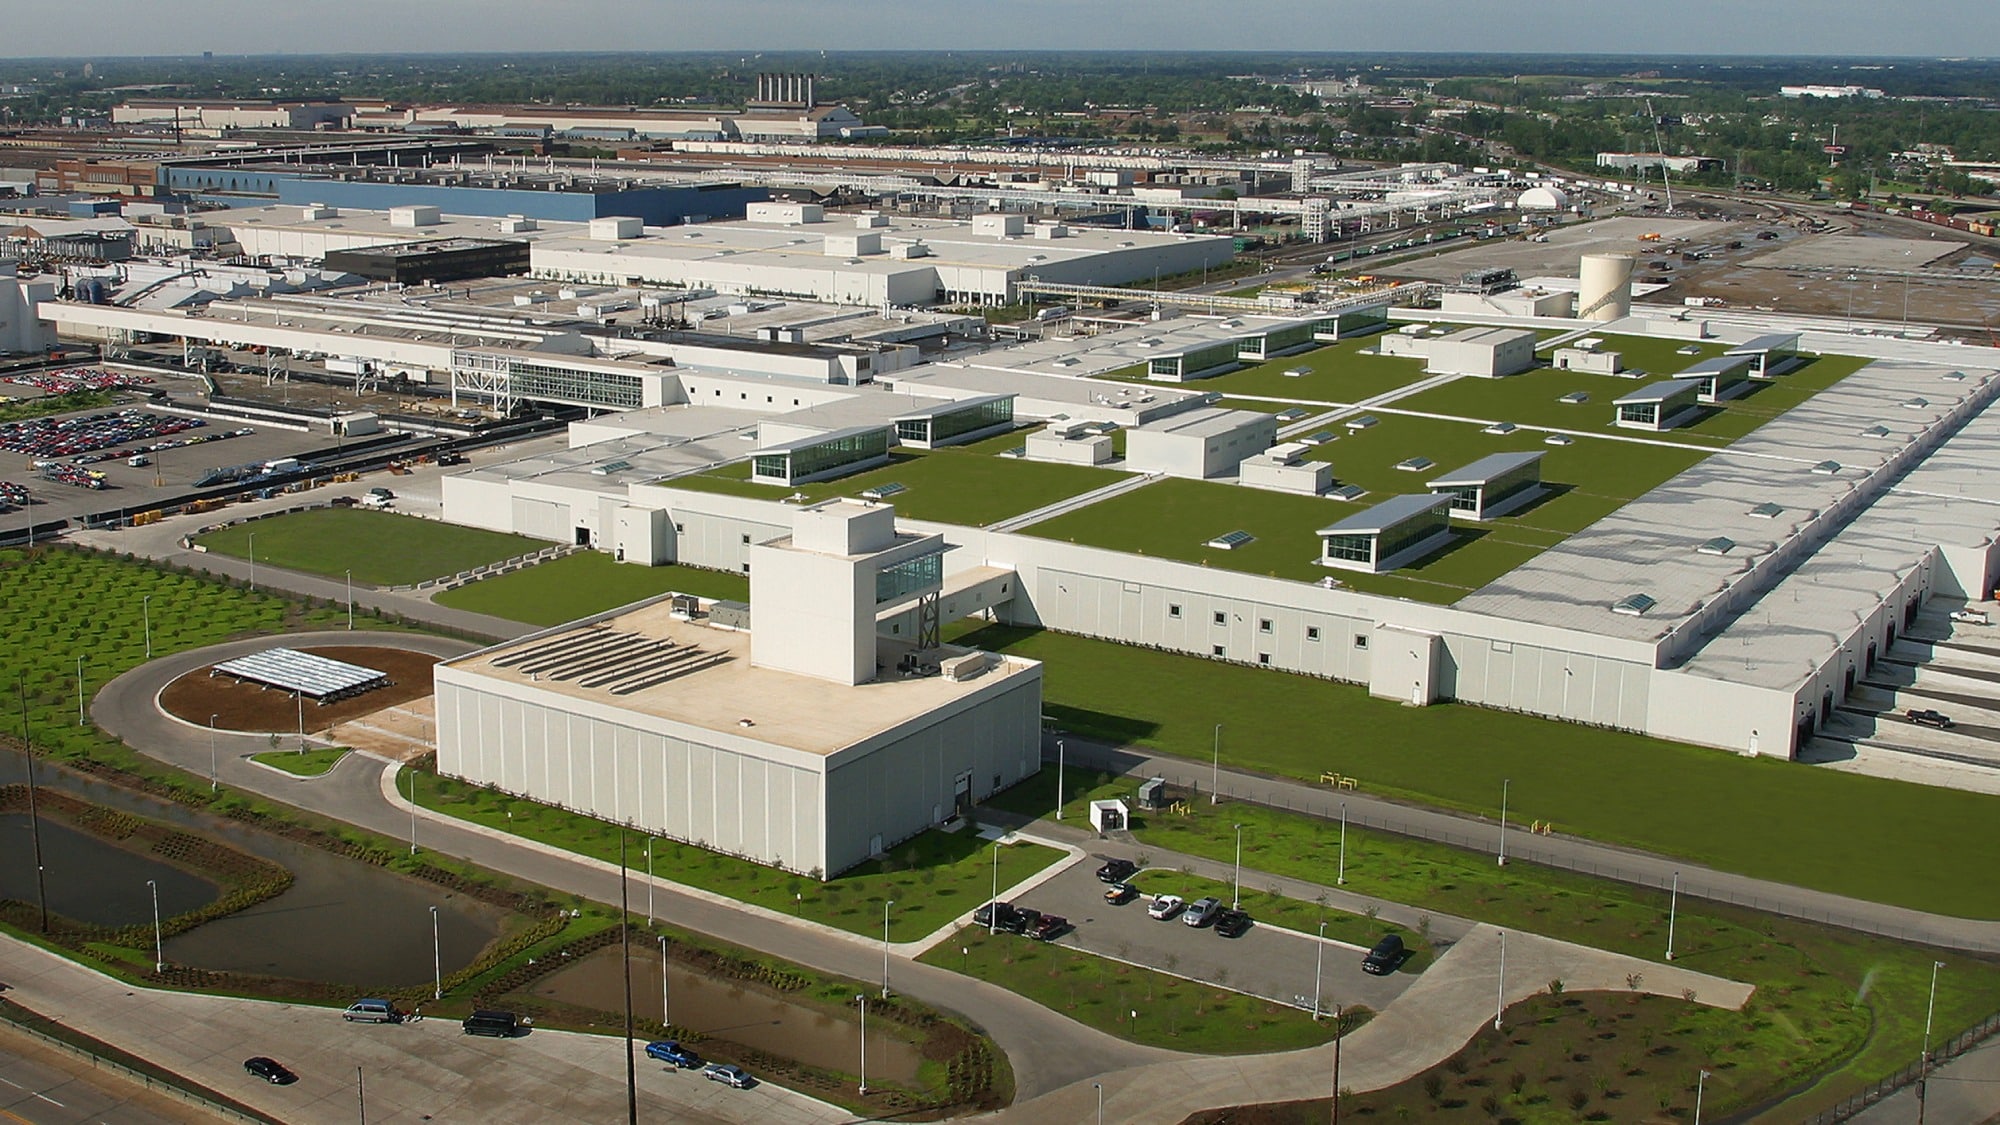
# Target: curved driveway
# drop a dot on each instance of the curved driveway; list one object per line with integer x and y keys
{"x": 1047, "y": 1050}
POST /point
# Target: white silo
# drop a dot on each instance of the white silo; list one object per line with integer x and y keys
{"x": 1604, "y": 289}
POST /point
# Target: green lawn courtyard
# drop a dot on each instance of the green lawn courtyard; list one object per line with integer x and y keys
{"x": 379, "y": 548}
{"x": 967, "y": 484}
{"x": 1844, "y": 833}
{"x": 585, "y": 583}
{"x": 310, "y": 763}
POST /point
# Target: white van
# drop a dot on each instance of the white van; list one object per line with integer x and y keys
{"x": 377, "y": 500}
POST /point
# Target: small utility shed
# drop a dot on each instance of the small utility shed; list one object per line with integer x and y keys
{"x": 1201, "y": 443}
{"x": 1485, "y": 352}
{"x": 1659, "y": 406}
{"x": 1492, "y": 486}
{"x": 1392, "y": 534}
{"x": 1721, "y": 377}
{"x": 1770, "y": 355}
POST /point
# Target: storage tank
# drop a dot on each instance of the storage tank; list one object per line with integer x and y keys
{"x": 1604, "y": 289}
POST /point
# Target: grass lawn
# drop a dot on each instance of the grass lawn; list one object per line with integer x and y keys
{"x": 1336, "y": 373}
{"x": 932, "y": 878}
{"x": 1530, "y": 398}
{"x": 1102, "y": 993}
{"x": 381, "y": 548}
{"x": 1849, "y": 834}
{"x": 18, "y": 409}
{"x": 1843, "y": 1007}
{"x": 1270, "y": 908}
{"x": 964, "y": 484}
{"x": 588, "y": 582}
{"x": 312, "y": 763}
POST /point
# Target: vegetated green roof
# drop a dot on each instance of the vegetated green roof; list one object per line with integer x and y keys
{"x": 589, "y": 582}
{"x": 380, "y": 548}
{"x": 968, "y": 484}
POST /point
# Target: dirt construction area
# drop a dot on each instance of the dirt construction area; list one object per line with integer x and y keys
{"x": 241, "y": 706}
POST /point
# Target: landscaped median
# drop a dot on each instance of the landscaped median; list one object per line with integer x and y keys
{"x": 309, "y": 763}
{"x": 1833, "y": 1011}
{"x": 932, "y": 879}
{"x": 1129, "y": 1001}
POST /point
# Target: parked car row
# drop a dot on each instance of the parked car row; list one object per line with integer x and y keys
{"x": 13, "y": 495}
{"x": 1206, "y": 911}
{"x": 71, "y": 379}
{"x": 1021, "y": 920}
{"x": 88, "y": 433}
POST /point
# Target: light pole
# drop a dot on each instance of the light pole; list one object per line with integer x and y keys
{"x": 1059, "y": 778}
{"x": 1500, "y": 1004}
{"x": 79, "y": 691}
{"x": 664, "y": 1021}
{"x": 159, "y": 948}
{"x": 413, "y": 812}
{"x": 213, "y": 784}
{"x": 301, "y": 697}
{"x": 885, "y": 947}
{"x": 1237, "y": 902}
{"x": 993, "y": 904}
{"x": 1099, "y": 1087}
{"x": 1319, "y": 958}
{"x": 1340, "y": 875}
{"x": 350, "y": 599}
{"x": 1673, "y": 910}
{"x": 146, "y": 612}
{"x": 1924, "y": 1063}
{"x": 1700, "y": 1084}
{"x": 864, "y": 1044}
{"x": 253, "y": 561}
{"x": 649, "y": 880}
{"x": 1215, "y": 781}
{"x": 437, "y": 959}
{"x": 1504, "y": 782}
{"x": 1339, "y": 1033}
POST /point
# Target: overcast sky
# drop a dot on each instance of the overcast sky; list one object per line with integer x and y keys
{"x": 1803, "y": 27}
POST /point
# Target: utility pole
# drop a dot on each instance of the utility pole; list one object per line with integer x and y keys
{"x": 625, "y": 952}
{"x": 34, "y": 817}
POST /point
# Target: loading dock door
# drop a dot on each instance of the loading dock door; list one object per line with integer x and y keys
{"x": 962, "y": 801}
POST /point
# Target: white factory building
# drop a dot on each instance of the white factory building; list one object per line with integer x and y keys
{"x": 798, "y": 250}
{"x": 809, "y": 742}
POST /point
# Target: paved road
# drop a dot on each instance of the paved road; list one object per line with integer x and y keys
{"x": 427, "y": 1071}
{"x": 1965, "y": 1091}
{"x": 1047, "y": 1050}
{"x": 45, "y": 1087}
{"x": 1565, "y": 852}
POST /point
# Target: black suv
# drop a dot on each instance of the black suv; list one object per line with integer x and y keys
{"x": 999, "y": 915}
{"x": 1116, "y": 871}
{"x": 1383, "y": 959}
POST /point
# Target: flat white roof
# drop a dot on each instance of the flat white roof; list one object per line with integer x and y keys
{"x": 1486, "y": 468}
{"x": 1658, "y": 392}
{"x": 1205, "y": 422}
{"x": 815, "y": 440}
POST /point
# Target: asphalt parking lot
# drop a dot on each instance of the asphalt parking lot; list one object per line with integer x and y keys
{"x": 1273, "y": 963}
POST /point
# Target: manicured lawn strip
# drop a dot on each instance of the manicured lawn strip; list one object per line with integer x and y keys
{"x": 1531, "y": 398}
{"x": 381, "y": 548}
{"x": 1827, "y": 996}
{"x": 1102, "y": 993}
{"x": 932, "y": 878}
{"x": 1658, "y": 357}
{"x": 588, "y": 582}
{"x": 1267, "y": 907}
{"x": 960, "y": 484}
{"x": 1337, "y": 373}
{"x": 1867, "y": 837}
{"x": 18, "y": 409}
{"x": 312, "y": 763}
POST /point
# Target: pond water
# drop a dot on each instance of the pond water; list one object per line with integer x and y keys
{"x": 92, "y": 880}
{"x": 730, "y": 1010}
{"x": 341, "y": 921}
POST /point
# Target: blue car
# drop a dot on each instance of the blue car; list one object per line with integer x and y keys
{"x": 669, "y": 1051}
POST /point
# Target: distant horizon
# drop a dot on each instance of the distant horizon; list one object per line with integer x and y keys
{"x": 1657, "y": 56}
{"x": 1811, "y": 29}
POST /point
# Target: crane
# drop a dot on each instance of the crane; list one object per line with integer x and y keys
{"x": 1665, "y": 180}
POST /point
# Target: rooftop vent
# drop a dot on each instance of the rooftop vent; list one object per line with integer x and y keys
{"x": 1720, "y": 545}
{"x": 1688, "y": 349}
{"x": 1295, "y": 372}
{"x": 1876, "y": 431}
{"x": 1919, "y": 403}
{"x": 1575, "y": 398}
{"x": 1767, "y": 511}
{"x": 1346, "y": 492}
{"x": 1501, "y": 428}
{"x": 1558, "y": 439}
{"x": 1416, "y": 465}
{"x": 1320, "y": 437}
{"x": 1826, "y": 468}
{"x": 1633, "y": 605}
{"x": 1292, "y": 415}
{"x": 1953, "y": 376}
{"x": 610, "y": 467}
{"x": 1230, "y": 541}
{"x": 1366, "y": 421}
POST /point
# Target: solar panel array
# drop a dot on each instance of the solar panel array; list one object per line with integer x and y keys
{"x": 316, "y": 676}
{"x": 607, "y": 659}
